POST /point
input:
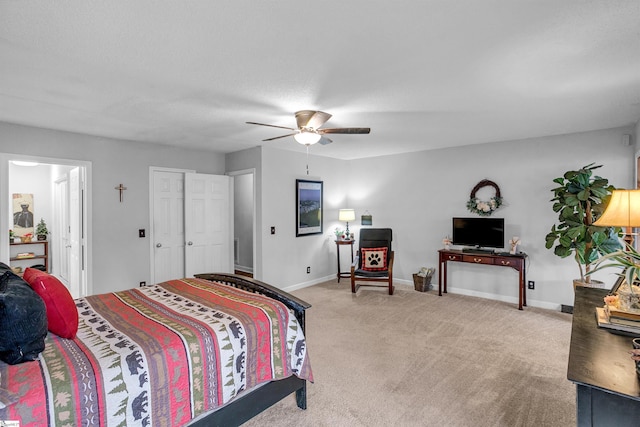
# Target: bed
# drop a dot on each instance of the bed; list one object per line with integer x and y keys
{"x": 215, "y": 349}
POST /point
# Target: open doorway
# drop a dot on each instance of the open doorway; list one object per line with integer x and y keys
{"x": 59, "y": 190}
{"x": 244, "y": 221}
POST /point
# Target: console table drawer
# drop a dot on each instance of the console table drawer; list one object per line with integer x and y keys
{"x": 452, "y": 257}
{"x": 477, "y": 259}
{"x": 506, "y": 262}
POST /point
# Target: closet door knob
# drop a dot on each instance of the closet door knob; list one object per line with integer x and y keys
{"x": 189, "y": 243}
{"x": 158, "y": 245}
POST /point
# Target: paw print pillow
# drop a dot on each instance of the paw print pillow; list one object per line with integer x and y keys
{"x": 374, "y": 259}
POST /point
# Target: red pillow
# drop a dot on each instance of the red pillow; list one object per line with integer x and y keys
{"x": 62, "y": 313}
{"x": 374, "y": 259}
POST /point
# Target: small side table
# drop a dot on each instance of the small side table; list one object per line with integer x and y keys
{"x": 338, "y": 244}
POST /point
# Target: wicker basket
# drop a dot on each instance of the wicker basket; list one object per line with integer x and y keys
{"x": 422, "y": 284}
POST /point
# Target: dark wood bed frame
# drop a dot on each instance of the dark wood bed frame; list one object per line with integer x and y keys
{"x": 248, "y": 405}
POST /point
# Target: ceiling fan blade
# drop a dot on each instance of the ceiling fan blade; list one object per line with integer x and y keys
{"x": 311, "y": 119}
{"x": 345, "y": 130}
{"x": 324, "y": 141}
{"x": 282, "y": 136}
{"x": 271, "y": 126}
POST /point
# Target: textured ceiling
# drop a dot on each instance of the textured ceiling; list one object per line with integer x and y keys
{"x": 421, "y": 74}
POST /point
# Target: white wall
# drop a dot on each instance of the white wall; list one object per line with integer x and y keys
{"x": 286, "y": 256}
{"x": 120, "y": 258}
{"x": 417, "y": 194}
{"x": 282, "y": 258}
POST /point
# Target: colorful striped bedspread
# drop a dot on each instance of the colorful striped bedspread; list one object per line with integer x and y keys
{"x": 157, "y": 355}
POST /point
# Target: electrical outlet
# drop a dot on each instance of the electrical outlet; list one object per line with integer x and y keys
{"x": 531, "y": 284}
{"x": 308, "y": 270}
{"x": 143, "y": 284}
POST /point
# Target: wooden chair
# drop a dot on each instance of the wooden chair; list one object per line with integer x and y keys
{"x": 374, "y": 260}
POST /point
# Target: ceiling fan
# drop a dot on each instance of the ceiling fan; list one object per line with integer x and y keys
{"x": 309, "y": 132}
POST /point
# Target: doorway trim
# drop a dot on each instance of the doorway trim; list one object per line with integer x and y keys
{"x": 86, "y": 286}
{"x": 257, "y": 266}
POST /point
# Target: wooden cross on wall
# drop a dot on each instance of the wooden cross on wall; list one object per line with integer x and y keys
{"x": 121, "y": 189}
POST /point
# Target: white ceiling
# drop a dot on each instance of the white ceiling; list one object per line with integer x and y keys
{"x": 421, "y": 74}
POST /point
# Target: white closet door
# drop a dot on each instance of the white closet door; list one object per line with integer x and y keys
{"x": 208, "y": 224}
{"x": 168, "y": 226}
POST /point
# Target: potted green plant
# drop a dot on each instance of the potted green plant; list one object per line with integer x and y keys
{"x": 579, "y": 200}
{"x": 41, "y": 230}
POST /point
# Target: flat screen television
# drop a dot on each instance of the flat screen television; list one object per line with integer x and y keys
{"x": 479, "y": 232}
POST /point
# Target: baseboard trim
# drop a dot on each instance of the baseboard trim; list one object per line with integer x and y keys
{"x": 460, "y": 291}
{"x": 309, "y": 283}
{"x": 504, "y": 298}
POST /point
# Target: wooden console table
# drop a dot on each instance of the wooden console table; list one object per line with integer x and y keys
{"x": 339, "y": 243}
{"x": 607, "y": 388}
{"x": 517, "y": 262}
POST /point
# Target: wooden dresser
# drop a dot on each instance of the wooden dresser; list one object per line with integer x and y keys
{"x": 607, "y": 387}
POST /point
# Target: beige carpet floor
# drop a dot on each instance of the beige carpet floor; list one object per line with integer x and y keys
{"x": 416, "y": 359}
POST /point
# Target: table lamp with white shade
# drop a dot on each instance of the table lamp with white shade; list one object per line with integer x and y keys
{"x": 623, "y": 210}
{"x": 347, "y": 215}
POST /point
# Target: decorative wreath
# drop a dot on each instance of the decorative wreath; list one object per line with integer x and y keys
{"x": 481, "y": 207}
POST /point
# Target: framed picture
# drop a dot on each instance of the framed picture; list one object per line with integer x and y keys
{"x": 22, "y": 214}
{"x": 308, "y": 207}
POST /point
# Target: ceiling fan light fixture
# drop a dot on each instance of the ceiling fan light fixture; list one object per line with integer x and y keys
{"x": 307, "y": 138}
{"x": 308, "y": 131}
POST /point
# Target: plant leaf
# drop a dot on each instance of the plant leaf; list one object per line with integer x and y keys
{"x": 572, "y": 200}
{"x": 562, "y": 251}
{"x": 583, "y": 194}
